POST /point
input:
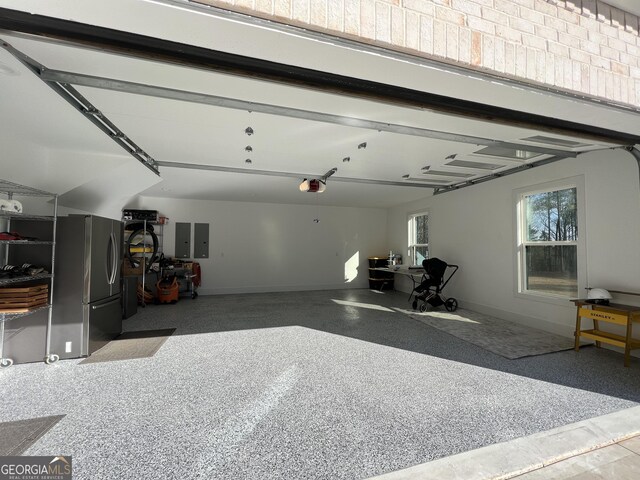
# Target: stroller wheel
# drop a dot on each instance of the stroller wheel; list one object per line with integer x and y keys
{"x": 451, "y": 304}
{"x": 415, "y": 304}
{"x": 423, "y": 307}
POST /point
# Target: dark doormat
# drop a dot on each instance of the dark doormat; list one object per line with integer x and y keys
{"x": 131, "y": 345}
{"x": 16, "y": 437}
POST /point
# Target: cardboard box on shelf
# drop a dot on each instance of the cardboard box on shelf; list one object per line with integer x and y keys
{"x": 129, "y": 271}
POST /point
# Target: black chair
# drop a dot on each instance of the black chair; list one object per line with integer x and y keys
{"x": 433, "y": 282}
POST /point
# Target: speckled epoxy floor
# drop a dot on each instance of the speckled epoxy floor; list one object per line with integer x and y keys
{"x": 296, "y": 385}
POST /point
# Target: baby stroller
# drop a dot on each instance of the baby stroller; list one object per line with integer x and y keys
{"x": 433, "y": 282}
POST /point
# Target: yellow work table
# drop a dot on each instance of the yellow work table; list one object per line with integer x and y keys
{"x": 614, "y": 313}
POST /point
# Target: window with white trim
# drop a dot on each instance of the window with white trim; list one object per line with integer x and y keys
{"x": 418, "y": 238}
{"x": 548, "y": 242}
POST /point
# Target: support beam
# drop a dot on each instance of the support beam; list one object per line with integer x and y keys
{"x": 271, "y": 173}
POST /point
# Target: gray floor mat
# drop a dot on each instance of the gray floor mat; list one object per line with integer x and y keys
{"x": 131, "y": 345}
{"x": 17, "y": 436}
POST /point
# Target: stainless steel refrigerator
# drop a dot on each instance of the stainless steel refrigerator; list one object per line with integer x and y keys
{"x": 87, "y": 310}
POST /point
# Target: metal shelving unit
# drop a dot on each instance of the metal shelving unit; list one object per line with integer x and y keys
{"x": 40, "y": 276}
{"x": 11, "y": 189}
{"x": 24, "y": 242}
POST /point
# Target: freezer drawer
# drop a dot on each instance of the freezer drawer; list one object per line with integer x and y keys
{"x": 102, "y": 323}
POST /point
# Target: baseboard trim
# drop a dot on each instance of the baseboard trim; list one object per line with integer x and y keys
{"x": 278, "y": 288}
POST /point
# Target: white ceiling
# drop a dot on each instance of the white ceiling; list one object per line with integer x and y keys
{"x": 631, "y": 6}
{"x": 176, "y": 131}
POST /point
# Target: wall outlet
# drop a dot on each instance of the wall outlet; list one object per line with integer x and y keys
{"x": 67, "y": 347}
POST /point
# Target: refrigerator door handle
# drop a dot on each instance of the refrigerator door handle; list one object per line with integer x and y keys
{"x": 109, "y": 259}
{"x": 114, "y": 258}
{"x": 102, "y": 305}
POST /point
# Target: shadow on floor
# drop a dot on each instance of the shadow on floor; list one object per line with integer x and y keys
{"x": 370, "y": 316}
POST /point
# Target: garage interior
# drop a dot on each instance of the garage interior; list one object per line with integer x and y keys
{"x": 287, "y": 362}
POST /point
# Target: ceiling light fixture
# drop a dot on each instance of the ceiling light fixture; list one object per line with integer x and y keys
{"x": 475, "y": 165}
{"x": 346, "y": 159}
{"x": 428, "y": 181}
{"x": 248, "y": 148}
{"x": 502, "y": 152}
{"x": 248, "y": 131}
{"x": 316, "y": 185}
{"x": 555, "y": 141}
{"x": 248, "y": 160}
{"x": 362, "y": 145}
{"x": 441, "y": 173}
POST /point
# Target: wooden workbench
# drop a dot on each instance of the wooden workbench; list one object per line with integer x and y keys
{"x": 618, "y": 314}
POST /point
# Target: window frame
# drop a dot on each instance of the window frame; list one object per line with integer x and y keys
{"x": 411, "y": 237}
{"x": 520, "y": 243}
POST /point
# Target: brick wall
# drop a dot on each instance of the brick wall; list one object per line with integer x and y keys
{"x": 584, "y": 46}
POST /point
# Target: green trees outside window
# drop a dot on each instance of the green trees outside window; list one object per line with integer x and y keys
{"x": 549, "y": 242}
{"x": 418, "y": 238}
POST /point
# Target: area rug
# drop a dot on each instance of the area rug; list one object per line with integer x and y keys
{"x": 131, "y": 345}
{"x": 17, "y": 436}
{"x": 507, "y": 339}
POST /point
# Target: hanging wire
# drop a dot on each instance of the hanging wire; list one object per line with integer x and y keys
{"x": 317, "y": 219}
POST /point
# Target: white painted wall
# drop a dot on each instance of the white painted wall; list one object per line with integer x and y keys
{"x": 96, "y": 183}
{"x": 274, "y": 247}
{"x": 474, "y": 228}
{"x": 25, "y": 163}
{"x": 19, "y": 162}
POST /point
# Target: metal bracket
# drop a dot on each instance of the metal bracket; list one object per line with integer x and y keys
{"x": 633, "y": 150}
{"x": 328, "y": 174}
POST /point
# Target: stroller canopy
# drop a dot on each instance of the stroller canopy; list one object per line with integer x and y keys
{"x": 434, "y": 267}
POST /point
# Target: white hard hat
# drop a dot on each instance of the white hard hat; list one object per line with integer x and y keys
{"x": 599, "y": 295}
